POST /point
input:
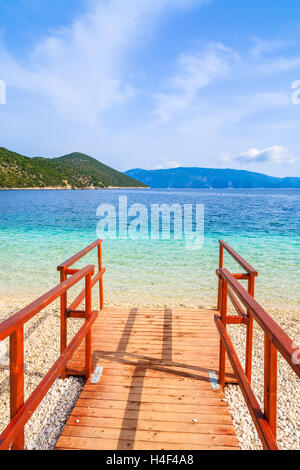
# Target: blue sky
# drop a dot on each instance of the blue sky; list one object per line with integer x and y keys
{"x": 154, "y": 83}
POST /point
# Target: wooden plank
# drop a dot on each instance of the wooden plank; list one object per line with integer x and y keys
{"x": 165, "y": 416}
{"x": 91, "y": 390}
{"x": 172, "y": 383}
{"x": 79, "y": 443}
{"x": 151, "y": 425}
{"x": 152, "y": 398}
{"x": 150, "y": 436}
{"x": 148, "y": 405}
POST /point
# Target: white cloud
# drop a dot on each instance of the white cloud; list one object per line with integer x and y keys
{"x": 262, "y": 47}
{"x": 215, "y": 63}
{"x": 225, "y": 157}
{"x": 278, "y": 64}
{"x": 82, "y": 68}
{"x": 210, "y": 119}
{"x": 167, "y": 164}
{"x": 275, "y": 154}
{"x": 195, "y": 72}
{"x": 279, "y": 126}
{"x": 265, "y": 60}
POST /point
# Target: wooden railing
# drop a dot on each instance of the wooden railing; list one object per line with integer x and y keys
{"x": 249, "y": 275}
{"x": 276, "y": 340}
{"x": 71, "y": 312}
{"x": 20, "y": 411}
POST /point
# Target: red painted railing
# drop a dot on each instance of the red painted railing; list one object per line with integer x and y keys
{"x": 20, "y": 411}
{"x": 276, "y": 340}
{"x": 71, "y": 312}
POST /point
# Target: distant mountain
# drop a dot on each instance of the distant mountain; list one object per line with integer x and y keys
{"x": 70, "y": 171}
{"x": 210, "y": 178}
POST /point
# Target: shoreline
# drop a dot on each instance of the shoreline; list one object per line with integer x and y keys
{"x": 92, "y": 188}
{"x": 10, "y": 299}
{"x": 59, "y": 188}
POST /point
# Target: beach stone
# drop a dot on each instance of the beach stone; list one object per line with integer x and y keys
{"x": 3, "y": 352}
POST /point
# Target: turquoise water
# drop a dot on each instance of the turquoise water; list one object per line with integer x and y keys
{"x": 39, "y": 229}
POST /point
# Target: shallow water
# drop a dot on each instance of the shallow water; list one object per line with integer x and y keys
{"x": 39, "y": 229}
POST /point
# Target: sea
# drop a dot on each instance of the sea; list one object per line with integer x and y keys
{"x": 41, "y": 228}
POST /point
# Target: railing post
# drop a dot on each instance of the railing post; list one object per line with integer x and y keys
{"x": 221, "y": 254}
{"x": 63, "y": 320}
{"x": 249, "y": 334}
{"x": 223, "y": 304}
{"x": 88, "y": 338}
{"x": 101, "y": 298}
{"x": 270, "y": 384}
{"x": 17, "y": 380}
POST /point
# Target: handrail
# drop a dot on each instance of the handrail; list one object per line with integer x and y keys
{"x": 71, "y": 311}
{"x": 25, "y": 412}
{"x": 261, "y": 423}
{"x": 10, "y": 325}
{"x": 250, "y": 276}
{"x": 69, "y": 262}
{"x": 65, "y": 270}
{"x": 237, "y": 306}
{"x": 276, "y": 340}
{"x": 274, "y": 332}
{"x": 243, "y": 263}
{"x": 13, "y": 327}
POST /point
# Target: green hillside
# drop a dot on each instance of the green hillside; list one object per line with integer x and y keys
{"x": 97, "y": 171}
{"x": 71, "y": 171}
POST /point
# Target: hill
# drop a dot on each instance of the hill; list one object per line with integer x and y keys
{"x": 70, "y": 171}
{"x": 97, "y": 171}
{"x": 185, "y": 177}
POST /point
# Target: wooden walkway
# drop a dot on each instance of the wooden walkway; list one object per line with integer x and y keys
{"x": 154, "y": 392}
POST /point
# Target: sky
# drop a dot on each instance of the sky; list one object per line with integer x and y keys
{"x": 153, "y": 83}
